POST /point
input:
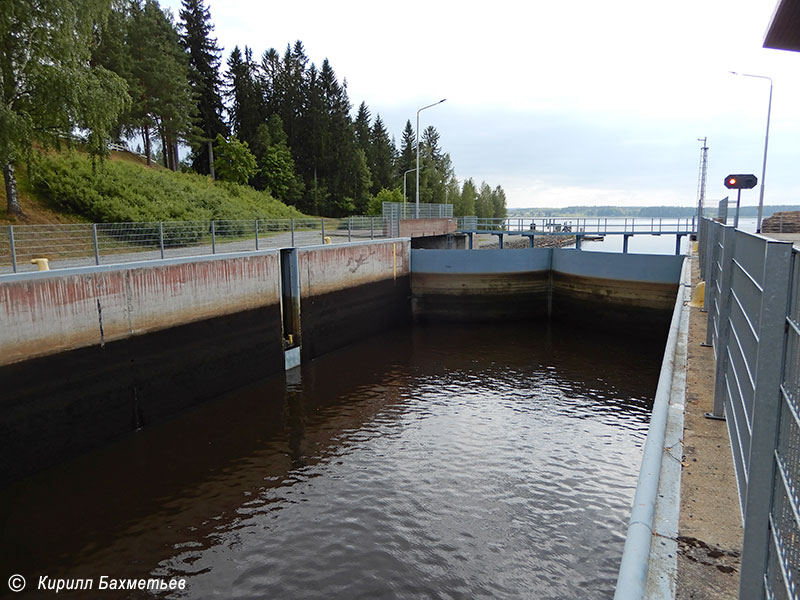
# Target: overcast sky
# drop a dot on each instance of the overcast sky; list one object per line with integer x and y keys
{"x": 561, "y": 103}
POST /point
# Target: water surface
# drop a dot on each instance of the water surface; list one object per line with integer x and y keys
{"x": 436, "y": 462}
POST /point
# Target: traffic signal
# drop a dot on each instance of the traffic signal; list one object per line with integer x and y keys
{"x": 741, "y": 182}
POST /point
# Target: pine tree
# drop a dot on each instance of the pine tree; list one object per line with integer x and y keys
{"x": 499, "y": 203}
{"x": 484, "y": 207}
{"x": 362, "y": 128}
{"x": 204, "y": 78}
{"x": 468, "y": 197}
{"x": 247, "y": 110}
{"x": 407, "y": 158}
{"x": 159, "y": 71}
{"x": 383, "y": 157}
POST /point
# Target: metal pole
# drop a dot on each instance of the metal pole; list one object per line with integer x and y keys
{"x": 323, "y": 230}
{"x": 416, "y": 210}
{"x": 161, "y": 238}
{"x": 349, "y": 229}
{"x": 372, "y": 228}
{"x": 256, "y": 229}
{"x": 292, "y": 226}
{"x": 94, "y": 243}
{"x": 13, "y": 248}
{"x": 736, "y": 217}
{"x": 766, "y": 144}
{"x": 764, "y": 164}
{"x": 213, "y": 238}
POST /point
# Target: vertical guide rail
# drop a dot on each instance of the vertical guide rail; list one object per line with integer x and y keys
{"x": 161, "y": 238}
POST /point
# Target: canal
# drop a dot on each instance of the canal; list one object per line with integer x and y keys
{"x": 439, "y": 461}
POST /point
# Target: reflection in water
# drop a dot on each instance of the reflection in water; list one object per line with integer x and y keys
{"x": 440, "y": 461}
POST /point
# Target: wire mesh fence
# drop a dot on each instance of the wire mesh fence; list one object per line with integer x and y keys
{"x": 408, "y": 210}
{"x": 26, "y": 247}
{"x": 754, "y": 326}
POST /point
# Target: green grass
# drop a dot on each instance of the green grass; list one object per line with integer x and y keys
{"x": 122, "y": 191}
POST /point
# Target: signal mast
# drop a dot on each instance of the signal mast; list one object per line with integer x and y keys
{"x": 701, "y": 182}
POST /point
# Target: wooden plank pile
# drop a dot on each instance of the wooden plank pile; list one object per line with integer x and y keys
{"x": 782, "y": 222}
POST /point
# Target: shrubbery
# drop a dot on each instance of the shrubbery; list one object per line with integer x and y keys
{"x": 116, "y": 191}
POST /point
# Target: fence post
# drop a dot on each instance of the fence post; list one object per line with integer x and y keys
{"x": 724, "y": 304}
{"x": 767, "y": 401}
{"x": 291, "y": 225}
{"x": 714, "y": 251}
{"x": 256, "y": 234}
{"x": 349, "y": 232}
{"x": 94, "y": 243}
{"x": 161, "y": 237}
{"x": 323, "y": 229}
{"x": 213, "y": 238}
{"x": 372, "y": 228}
{"x": 391, "y": 226}
{"x": 12, "y": 248}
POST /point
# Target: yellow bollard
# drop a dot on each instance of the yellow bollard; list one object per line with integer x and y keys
{"x": 326, "y": 239}
{"x": 42, "y": 263}
{"x": 698, "y": 295}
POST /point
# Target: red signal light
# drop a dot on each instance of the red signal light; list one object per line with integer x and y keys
{"x": 740, "y": 182}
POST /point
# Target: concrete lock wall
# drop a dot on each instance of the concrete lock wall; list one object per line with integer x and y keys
{"x": 456, "y": 285}
{"x": 90, "y": 354}
{"x": 592, "y": 288}
{"x": 348, "y": 292}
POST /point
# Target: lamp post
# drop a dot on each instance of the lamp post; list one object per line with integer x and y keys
{"x": 404, "y": 185}
{"x": 416, "y": 210}
{"x": 766, "y": 144}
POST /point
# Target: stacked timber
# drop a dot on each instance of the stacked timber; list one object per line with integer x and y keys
{"x": 782, "y": 222}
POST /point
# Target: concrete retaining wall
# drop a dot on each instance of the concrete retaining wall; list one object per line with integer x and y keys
{"x": 90, "y": 354}
{"x": 480, "y": 285}
{"x": 49, "y": 312}
{"x": 592, "y": 288}
{"x": 348, "y": 292}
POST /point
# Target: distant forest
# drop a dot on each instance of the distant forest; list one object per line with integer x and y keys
{"x": 643, "y": 211}
{"x": 124, "y": 70}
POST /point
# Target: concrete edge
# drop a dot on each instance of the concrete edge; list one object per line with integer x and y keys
{"x": 128, "y": 266}
{"x": 178, "y": 260}
{"x": 634, "y": 566}
{"x": 662, "y": 568}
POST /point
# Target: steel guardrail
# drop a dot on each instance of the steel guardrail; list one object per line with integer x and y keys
{"x": 753, "y": 302}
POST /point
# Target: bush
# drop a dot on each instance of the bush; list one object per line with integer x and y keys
{"x": 117, "y": 191}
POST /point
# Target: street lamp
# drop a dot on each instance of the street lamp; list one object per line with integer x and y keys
{"x": 766, "y": 143}
{"x": 404, "y": 185}
{"x": 416, "y": 210}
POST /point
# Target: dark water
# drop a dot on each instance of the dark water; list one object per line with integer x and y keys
{"x": 435, "y": 462}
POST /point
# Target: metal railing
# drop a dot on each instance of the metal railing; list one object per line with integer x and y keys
{"x": 587, "y": 225}
{"x": 105, "y": 243}
{"x": 753, "y": 303}
{"x": 407, "y": 210}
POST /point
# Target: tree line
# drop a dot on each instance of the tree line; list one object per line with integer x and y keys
{"x": 126, "y": 69}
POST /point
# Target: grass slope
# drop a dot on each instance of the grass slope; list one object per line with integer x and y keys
{"x": 66, "y": 187}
